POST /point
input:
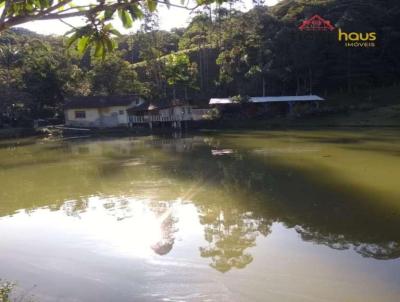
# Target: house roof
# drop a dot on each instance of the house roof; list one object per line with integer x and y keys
{"x": 147, "y": 106}
{"x": 270, "y": 99}
{"x": 99, "y": 101}
{"x": 169, "y": 104}
{"x": 142, "y": 107}
{"x": 214, "y": 101}
{"x": 295, "y": 98}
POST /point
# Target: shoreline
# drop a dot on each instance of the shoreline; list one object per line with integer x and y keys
{"x": 31, "y": 133}
{"x": 381, "y": 117}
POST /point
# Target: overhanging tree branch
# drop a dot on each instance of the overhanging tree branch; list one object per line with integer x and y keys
{"x": 98, "y": 32}
{"x": 48, "y": 15}
{"x": 5, "y": 10}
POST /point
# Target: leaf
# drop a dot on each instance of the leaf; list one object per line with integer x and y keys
{"x": 135, "y": 12}
{"x": 99, "y": 50}
{"x": 79, "y": 33}
{"x": 83, "y": 44}
{"x": 125, "y": 18}
{"x": 152, "y": 5}
{"x": 44, "y": 3}
{"x": 109, "y": 29}
{"x": 110, "y": 44}
{"x": 108, "y": 13}
{"x": 103, "y": 55}
{"x": 72, "y": 39}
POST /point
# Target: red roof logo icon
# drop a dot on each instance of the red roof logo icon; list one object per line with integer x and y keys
{"x": 316, "y": 23}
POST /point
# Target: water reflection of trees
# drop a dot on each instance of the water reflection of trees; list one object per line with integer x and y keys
{"x": 229, "y": 233}
{"x": 231, "y": 227}
{"x": 382, "y": 250}
{"x": 251, "y": 193}
{"x": 75, "y": 207}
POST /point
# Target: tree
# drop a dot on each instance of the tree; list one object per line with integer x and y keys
{"x": 9, "y": 60}
{"x": 41, "y": 80}
{"x": 180, "y": 71}
{"x": 151, "y": 50}
{"x": 197, "y": 35}
{"x": 9, "y": 57}
{"x": 114, "y": 76}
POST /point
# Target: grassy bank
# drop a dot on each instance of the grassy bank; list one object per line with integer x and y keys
{"x": 369, "y": 107}
{"x": 386, "y": 116}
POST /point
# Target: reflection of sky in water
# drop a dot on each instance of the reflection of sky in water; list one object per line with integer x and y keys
{"x": 122, "y": 226}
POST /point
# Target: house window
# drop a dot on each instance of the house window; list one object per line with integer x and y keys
{"x": 80, "y": 114}
{"x": 121, "y": 112}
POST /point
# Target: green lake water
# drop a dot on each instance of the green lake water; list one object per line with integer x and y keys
{"x": 212, "y": 216}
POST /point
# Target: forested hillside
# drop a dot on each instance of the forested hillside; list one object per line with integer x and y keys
{"x": 223, "y": 52}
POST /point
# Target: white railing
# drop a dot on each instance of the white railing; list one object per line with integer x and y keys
{"x": 195, "y": 115}
{"x": 152, "y": 118}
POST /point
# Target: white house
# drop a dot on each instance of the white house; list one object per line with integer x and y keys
{"x": 99, "y": 111}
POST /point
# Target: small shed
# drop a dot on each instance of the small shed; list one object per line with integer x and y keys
{"x": 272, "y": 105}
{"x": 288, "y": 99}
{"x": 270, "y": 99}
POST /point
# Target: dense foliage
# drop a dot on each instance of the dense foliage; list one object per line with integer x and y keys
{"x": 223, "y": 52}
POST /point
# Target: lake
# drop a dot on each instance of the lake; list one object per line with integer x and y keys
{"x": 295, "y": 215}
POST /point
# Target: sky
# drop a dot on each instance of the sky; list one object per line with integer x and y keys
{"x": 168, "y": 18}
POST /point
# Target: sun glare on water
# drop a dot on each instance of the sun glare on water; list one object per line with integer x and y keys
{"x": 139, "y": 228}
{"x": 121, "y": 226}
